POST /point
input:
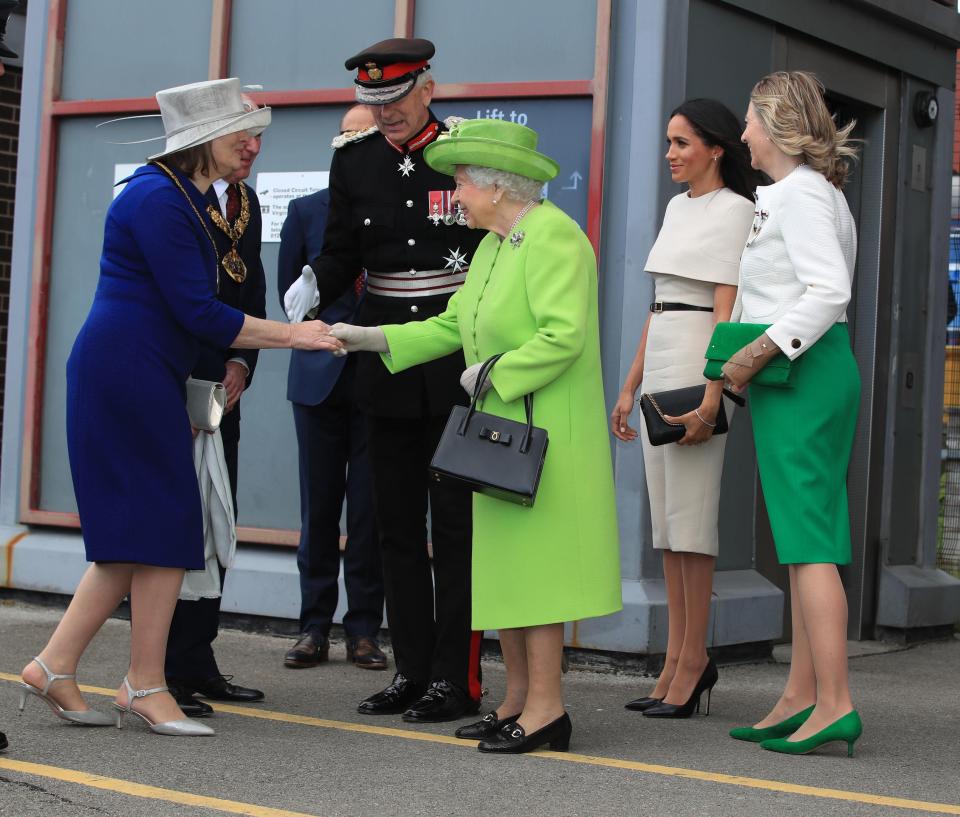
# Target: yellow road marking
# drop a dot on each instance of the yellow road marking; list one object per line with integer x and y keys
{"x": 570, "y": 757}
{"x": 118, "y": 786}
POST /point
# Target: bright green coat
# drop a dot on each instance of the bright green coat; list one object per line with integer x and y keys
{"x": 537, "y": 303}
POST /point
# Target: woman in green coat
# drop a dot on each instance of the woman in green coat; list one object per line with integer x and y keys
{"x": 530, "y": 294}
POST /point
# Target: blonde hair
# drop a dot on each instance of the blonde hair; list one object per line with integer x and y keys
{"x": 791, "y": 107}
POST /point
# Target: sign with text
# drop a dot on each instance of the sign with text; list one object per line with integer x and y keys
{"x": 276, "y": 190}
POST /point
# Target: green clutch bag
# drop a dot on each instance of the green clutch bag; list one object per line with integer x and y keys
{"x": 730, "y": 338}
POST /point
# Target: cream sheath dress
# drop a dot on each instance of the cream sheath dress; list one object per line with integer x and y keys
{"x": 699, "y": 246}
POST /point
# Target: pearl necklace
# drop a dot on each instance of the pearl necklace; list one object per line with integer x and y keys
{"x": 516, "y": 238}
{"x": 523, "y": 211}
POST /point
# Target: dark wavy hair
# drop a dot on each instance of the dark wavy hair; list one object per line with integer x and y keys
{"x": 717, "y": 126}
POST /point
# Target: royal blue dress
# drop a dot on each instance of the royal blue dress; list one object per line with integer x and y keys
{"x": 128, "y": 435}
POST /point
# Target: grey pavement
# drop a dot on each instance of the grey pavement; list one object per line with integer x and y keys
{"x": 909, "y": 701}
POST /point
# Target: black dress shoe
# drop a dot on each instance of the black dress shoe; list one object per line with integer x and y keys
{"x": 394, "y": 699}
{"x": 3, "y": 742}
{"x": 190, "y": 706}
{"x": 219, "y": 688}
{"x": 365, "y": 653}
{"x": 311, "y": 649}
{"x": 642, "y": 704}
{"x": 443, "y": 701}
{"x": 488, "y": 725}
{"x": 512, "y": 740}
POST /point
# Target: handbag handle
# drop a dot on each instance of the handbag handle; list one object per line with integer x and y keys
{"x": 478, "y": 386}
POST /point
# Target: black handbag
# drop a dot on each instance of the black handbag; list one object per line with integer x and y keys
{"x": 490, "y": 454}
{"x": 676, "y": 403}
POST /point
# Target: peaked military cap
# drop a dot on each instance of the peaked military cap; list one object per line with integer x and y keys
{"x": 387, "y": 70}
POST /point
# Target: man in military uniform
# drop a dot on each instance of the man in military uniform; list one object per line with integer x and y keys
{"x": 235, "y": 211}
{"x": 391, "y": 215}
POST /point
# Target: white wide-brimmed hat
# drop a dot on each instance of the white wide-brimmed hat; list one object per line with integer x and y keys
{"x": 202, "y": 111}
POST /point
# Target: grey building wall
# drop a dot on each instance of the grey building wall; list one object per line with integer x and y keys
{"x": 661, "y": 52}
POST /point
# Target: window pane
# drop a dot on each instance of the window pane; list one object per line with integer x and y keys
{"x": 119, "y": 48}
{"x": 302, "y": 44}
{"x": 507, "y": 41}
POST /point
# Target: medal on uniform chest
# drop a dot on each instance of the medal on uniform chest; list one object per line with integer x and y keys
{"x": 439, "y": 207}
{"x": 406, "y": 167}
{"x": 232, "y": 263}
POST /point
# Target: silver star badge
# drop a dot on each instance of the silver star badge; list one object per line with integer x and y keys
{"x": 406, "y": 166}
{"x": 456, "y": 261}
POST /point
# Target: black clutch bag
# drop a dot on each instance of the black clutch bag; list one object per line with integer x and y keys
{"x": 676, "y": 403}
{"x": 489, "y": 454}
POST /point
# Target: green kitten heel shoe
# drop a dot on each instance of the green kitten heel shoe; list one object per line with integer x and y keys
{"x": 848, "y": 729}
{"x": 778, "y": 730}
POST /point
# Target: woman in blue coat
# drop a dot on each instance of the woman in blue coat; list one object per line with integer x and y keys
{"x": 128, "y": 433}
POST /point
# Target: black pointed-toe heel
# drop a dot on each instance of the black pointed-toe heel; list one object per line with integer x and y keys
{"x": 642, "y": 704}
{"x": 486, "y": 727}
{"x": 706, "y": 683}
{"x": 512, "y": 740}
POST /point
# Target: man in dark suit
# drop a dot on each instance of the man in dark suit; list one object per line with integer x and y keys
{"x": 235, "y": 211}
{"x": 332, "y": 444}
{"x": 390, "y": 214}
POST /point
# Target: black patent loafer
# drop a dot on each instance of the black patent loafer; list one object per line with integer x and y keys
{"x": 443, "y": 701}
{"x": 487, "y": 726}
{"x": 311, "y": 649}
{"x": 220, "y": 689}
{"x": 393, "y": 700}
{"x": 513, "y": 740}
{"x": 190, "y": 706}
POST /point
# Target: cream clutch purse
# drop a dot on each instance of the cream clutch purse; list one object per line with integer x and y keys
{"x": 206, "y": 401}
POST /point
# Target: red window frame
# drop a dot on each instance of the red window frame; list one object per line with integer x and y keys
{"x": 54, "y": 109}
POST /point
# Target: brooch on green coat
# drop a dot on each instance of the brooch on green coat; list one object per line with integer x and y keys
{"x": 517, "y": 238}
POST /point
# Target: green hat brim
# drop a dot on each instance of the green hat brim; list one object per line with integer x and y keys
{"x": 446, "y": 153}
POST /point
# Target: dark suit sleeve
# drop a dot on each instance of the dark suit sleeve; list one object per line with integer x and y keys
{"x": 339, "y": 261}
{"x": 255, "y": 287}
{"x": 293, "y": 250}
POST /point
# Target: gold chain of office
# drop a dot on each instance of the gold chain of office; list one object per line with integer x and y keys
{"x": 232, "y": 262}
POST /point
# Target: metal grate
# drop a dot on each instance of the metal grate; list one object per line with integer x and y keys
{"x": 948, "y": 545}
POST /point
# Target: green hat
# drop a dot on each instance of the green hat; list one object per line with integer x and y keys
{"x": 490, "y": 143}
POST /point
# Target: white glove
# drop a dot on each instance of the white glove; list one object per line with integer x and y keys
{"x": 469, "y": 380}
{"x": 303, "y": 296}
{"x": 360, "y": 338}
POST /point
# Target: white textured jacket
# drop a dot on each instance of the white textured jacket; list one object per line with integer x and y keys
{"x": 796, "y": 270}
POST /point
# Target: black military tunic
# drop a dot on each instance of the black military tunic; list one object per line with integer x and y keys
{"x": 381, "y": 200}
{"x": 379, "y": 221}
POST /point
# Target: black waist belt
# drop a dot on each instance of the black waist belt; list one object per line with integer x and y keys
{"x": 666, "y": 306}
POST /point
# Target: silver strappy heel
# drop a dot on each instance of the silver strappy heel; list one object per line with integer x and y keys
{"x": 185, "y": 727}
{"x": 83, "y": 717}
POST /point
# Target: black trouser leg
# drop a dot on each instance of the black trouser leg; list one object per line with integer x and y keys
{"x": 400, "y": 498}
{"x": 332, "y": 442}
{"x": 430, "y": 642}
{"x": 362, "y": 568}
{"x": 456, "y": 654}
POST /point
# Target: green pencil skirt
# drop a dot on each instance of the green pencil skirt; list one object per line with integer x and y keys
{"x": 803, "y": 436}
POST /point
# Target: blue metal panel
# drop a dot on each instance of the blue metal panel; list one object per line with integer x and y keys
{"x": 116, "y": 48}
{"x": 506, "y": 41}
{"x": 302, "y": 44}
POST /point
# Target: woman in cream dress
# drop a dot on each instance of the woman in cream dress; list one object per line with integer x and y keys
{"x": 695, "y": 266}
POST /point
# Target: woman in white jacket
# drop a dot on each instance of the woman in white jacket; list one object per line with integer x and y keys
{"x": 795, "y": 277}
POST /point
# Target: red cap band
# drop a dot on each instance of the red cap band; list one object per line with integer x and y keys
{"x": 388, "y": 72}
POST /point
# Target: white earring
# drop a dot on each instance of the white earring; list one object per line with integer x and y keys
{"x": 495, "y": 202}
